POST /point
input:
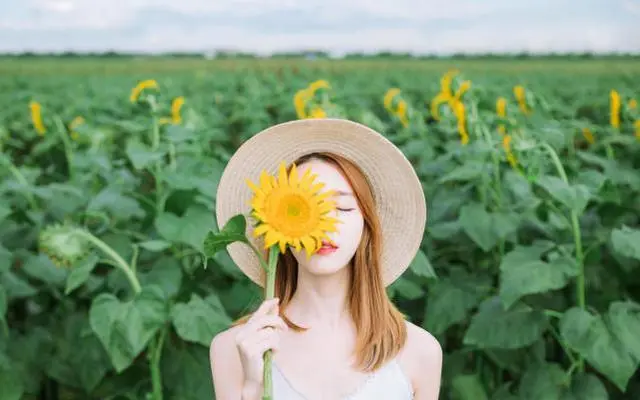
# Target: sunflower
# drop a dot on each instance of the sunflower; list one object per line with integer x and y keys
{"x": 291, "y": 210}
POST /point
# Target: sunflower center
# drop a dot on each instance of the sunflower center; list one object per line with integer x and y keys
{"x": 293, "y": 215}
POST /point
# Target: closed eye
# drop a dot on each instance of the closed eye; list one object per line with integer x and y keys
{"x": 345, "y": 209}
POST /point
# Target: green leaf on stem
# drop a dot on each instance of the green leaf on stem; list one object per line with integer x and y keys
{"x": 522, "y": 272}
{"x": 495, "y": 327}
{"x": 198, "y": 321}
{"x": 468, "y": 387}
{"x": 81, "y": 272}
{"x": 575, "y": 197}
{"x": 125, "y": 328}
{"x": 451, "y": 298}
{"x": 484, "y": 228}
{"x": 626, "y": 242}
{"x": 609, "y": 342}
{"x": 233, "y": 231}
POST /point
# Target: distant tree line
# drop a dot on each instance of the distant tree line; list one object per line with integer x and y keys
{"x": 316, "y": 54}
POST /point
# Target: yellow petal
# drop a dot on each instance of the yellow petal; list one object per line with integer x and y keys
{"x": 265, "y": 182}
{"x": 283, "y": 175}
{"x": 316, "y": 188}
{"x": 307, "y": 242}
{"x": 293, "y": 177}
{"x": 261, "y": 230}
{"x": 253, "y": 187}
{"x": 296, "y": 244}
{"x": 271, "y": 238}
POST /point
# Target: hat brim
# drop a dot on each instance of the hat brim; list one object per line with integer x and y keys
{"x": 398, "y": 193}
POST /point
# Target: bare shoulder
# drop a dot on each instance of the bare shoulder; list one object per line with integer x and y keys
{"x": 226, "y": 368}
{"x": 423, "y": 344}
{"x": 423, "y": 361}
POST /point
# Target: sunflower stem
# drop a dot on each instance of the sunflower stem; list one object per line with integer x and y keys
{"x": 269, "y": 294}
{"x": 260, "y": 257}
{"x": 118, "y": 260}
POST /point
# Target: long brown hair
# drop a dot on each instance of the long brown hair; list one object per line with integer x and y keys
{"x": 380, "y": 327}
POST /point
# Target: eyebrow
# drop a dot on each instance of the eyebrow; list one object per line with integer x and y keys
{"x": 343, "y": 193}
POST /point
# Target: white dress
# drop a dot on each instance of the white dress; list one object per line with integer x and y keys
{"x": 387, "y": 383}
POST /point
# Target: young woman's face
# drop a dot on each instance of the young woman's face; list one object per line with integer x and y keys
{"x": 349, "y": 231}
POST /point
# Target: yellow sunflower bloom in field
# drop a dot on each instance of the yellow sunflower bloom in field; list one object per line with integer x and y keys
{"x": 292, "y": 211}
{"x": 137, "y": 90}
{"x": 36, "y": 117}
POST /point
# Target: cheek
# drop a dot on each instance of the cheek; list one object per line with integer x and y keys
{"x": 350, "y": 232}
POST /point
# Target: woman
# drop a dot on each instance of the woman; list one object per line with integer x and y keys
{"x": 334, "y": 332}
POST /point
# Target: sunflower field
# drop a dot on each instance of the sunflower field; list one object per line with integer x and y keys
{"x": 529, "y": 272}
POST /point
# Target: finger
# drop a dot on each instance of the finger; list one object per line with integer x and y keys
{"x": 264, "y": 308}
{"x": 268, "y": 343}
{"x": 266, "y": 321}
{"x": 250, "y": 342}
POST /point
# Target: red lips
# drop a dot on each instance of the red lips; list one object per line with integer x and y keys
{"x": 327, "y": 244}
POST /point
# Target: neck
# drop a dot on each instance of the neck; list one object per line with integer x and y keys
{"x": 321, "y": 300}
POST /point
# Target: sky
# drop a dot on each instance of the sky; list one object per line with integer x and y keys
{"x": 336, "y": 26}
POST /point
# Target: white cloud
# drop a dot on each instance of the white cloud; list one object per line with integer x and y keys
{"x": 632, "y": 5}
{"x": 396, "y": 25}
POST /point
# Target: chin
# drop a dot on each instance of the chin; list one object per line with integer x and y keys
{"x": 324, "y": 264}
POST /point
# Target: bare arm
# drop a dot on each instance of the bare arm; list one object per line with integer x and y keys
{"x": 427, "y": 361}
{"x": 226, "y": 368}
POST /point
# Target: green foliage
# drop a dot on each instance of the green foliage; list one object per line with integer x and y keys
{"x": 528, "y": 276}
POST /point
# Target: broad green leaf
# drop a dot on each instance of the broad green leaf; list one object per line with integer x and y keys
{"x": 421, "y": 266}
{"x": 197, "y": 321}
{"x": 198, "y": 173}
{"x": 586, "y": 387}
{"x": 113, "y": 201}
{"x": 15, "y": 286}
{"x": 504, "y": 393}
{"x": 476, "y": 222}
{"x": 6, "y": 259}
{"x": 468, "y": 387}
{"x": 191, "y": 228}
{"x": 575, "y": 197}
{"x": 467, "y": 172}
{"x": 233, "y": 231}
{"x": 11, "y": 386}
{"x": 140, "y": 154}
{"x": 522, "y": 272}
{"x": 626, "y": 241}
{"x": 125, "y": 328}
{"x": 592, "y": 179}
{"x": 5, "y": 211}
{"x": 608, "y": 342}
{"x": 190, "y": 371}
{"x": 81, "y": 272}
{"x": 494, "y": 327}
{"x": 40, "y": 267}
{"x": 450, "y": 300}
{"x": 166, "y": 274}
{"x": 406, "y": 289}
{"x": 444, "y": 230}
{"x": 155, "y": 245}
{"x": 484, "y": 228}
{"x": 4, "y": 304}
{"x": 76, "y": 348}
{"x": 542, "y": 381}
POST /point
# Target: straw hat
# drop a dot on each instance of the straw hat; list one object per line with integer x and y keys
{"x": 397, "y": 190}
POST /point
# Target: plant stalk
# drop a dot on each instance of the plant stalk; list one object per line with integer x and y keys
{"x": 67, "y": 145}
{"x": 269, "y": 294}
{"x": 119, "y": 261}
{"x": 577, "y": 237}
{"x": 154, "y": 364}
{"x": 16, "y": 172}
